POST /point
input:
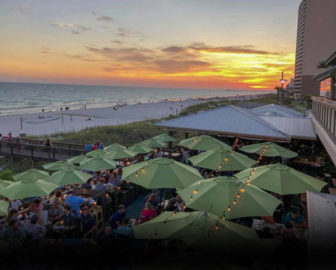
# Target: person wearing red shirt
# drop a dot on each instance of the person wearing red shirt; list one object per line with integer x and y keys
{"x": 148, "y": 213}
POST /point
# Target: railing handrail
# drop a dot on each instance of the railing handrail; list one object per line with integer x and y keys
{"x": 41, "y": 146}
{"x": 325, "y": 101}
{"x": 41, "y": 142}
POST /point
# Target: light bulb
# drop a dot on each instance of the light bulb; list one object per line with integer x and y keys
{"x": 219, "y": 167}
{"x": 216, "y": 228}
{"x": 195, "y": 191}
{"x": 229, "y": 208}
{"x": 234, "y": 202}
{"x": 242, "y": 190}
{"x": 238, "y": 195}
{"x": 136, "y": 175}
{"x": 191, "y": 198}
{"x": 226, "y": 159}
{"x": 223, "y": 217}
{"x": 143, "y": 170}
{"x": 248, "y": 183}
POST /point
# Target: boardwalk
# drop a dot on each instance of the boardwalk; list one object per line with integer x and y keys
{"x": 36, "y": 150}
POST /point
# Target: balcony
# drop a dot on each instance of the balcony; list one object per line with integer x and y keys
{"x": 324, "y": 119}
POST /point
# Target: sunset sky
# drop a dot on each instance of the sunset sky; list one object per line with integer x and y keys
{"x": 224, "y": 44}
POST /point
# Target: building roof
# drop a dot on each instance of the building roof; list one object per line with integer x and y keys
{"x": 239, "y": 122}
{"x": 277, "y": 110}
{"x": 228, "y": 120}
{"x": 296, "y": 127}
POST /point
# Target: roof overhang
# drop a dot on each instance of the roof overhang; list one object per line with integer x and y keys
{"x": 326, "y": 74}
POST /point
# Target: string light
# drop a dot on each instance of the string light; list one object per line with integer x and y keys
{"x": 195, "y": 191}
{"x": 234, "y": 202}
{"x": 223, "y": 217}
{"x": 242, "y": 190}
{"x": 238, "y": 196}
{"x": 229, "y": 209}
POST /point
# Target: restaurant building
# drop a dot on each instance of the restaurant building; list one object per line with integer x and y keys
{"x": 324, "y": 105}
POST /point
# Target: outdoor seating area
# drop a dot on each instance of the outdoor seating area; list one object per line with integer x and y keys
{"x": 203, "y": 193}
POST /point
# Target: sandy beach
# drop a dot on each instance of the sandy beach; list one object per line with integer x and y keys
{"x": 47, "y": 123}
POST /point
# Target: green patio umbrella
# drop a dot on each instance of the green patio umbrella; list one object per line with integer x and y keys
{"x": 281, "y": 179}
{"x": 3, "y": 208}
{"x": 113, "y": 147}
{"x": 96, "y": 153}
{"x": 193, "y": 227}
{"x": 97, "y": 164}
{"x": 161, "y": 173}
{"x": 69, "y": 177}
{"x": 164, "y": 137}
{"x": 78, "y": 159}
{"x": 5, "y": 183}
{"x": 27, "y": 188}
{"x": 269, "y": 149}
{"x": 31, "y": 174}
{"x": 120, "y": 154}
{"x": 58, "y": 166}
{"x": 222, "y": 159}
{"x": 140, "y": 149}
{"x": 203, "y": 143}
{"x": 153, "y": 143}
{"x": 229, "y": 197}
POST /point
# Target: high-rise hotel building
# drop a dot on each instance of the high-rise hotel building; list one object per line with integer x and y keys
{"x": 316, "y": 40}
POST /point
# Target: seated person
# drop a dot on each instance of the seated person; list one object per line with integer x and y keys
{"x": 33, "y": 230}
{"x": 57, "y": 198}
{"x": 288, "y": 232}
{"x": 125, "y": 229}
{"x": 294, "y": 218}
{"x": 116, "y": 219}
{"x": 14, "y": 231}
{"x": 75, "y": 202}
{"x": 101, "y": 186}
{"x": 87, "y": 221}
{"x": 36, "y": 207}
{"x": 69, "y": 220}
{"x": 55, "y": 211}
{"x": 148, "y": 213}
{"x": 153, "y": 198}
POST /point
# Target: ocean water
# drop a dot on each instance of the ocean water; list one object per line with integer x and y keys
{"x": 31, "y": 97}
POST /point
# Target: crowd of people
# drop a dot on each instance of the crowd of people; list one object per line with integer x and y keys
{"x": 68, "y": 212}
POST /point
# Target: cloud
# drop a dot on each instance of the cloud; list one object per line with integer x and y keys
{"x": 130, "y": 33}
{"x": 106, "y": 19}
{"x": 118, "y": 42}
{"x": 45, "y": 50}
{"x": 124, "y": 54}
{"x": 24, "y": 7}
{"x": 239, "y": 49}
{"x": 175, "y": 66}
{"x": 202, "y": 47}
{"x": 72, "y": 28}
{"x": 174, "y": 49}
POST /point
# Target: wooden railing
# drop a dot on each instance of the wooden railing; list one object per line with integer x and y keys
{"x": 37, "y": 150}
{"x": 324, "y": 110}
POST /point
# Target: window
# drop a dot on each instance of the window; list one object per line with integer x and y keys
{"x": 325, "y": 87}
